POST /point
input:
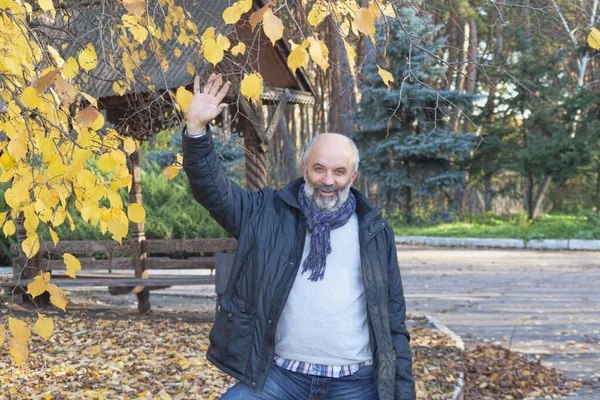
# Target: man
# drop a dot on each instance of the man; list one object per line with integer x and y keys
{"x": 314, "y": 307}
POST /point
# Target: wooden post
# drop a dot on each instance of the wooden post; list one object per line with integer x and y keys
{"x": 138, "y": 235}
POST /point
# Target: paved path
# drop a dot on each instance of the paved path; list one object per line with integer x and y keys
{"x": 545, "y": 304}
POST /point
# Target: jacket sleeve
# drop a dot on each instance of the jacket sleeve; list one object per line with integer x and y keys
{"x": 405, "y": 383}
{"x": 229, "y": 204}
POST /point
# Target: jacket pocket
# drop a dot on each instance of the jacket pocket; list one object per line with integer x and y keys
{"x": 231, "y": 336}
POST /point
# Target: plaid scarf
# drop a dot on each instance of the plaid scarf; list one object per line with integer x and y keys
{"x": 320, "y": 225}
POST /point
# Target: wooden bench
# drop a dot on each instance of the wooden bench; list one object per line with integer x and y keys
{"x": 103, "y": 263}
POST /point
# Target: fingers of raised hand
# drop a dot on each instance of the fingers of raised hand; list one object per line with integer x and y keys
{"x": 221, "y": 94}
{"x": 196, "y": 84}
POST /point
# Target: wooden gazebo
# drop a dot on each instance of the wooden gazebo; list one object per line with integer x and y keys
{"x": 147, "y": 107}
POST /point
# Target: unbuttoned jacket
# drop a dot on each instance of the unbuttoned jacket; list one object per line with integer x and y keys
{"x": 270, "y": 228}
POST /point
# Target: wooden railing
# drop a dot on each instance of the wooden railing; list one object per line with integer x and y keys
{"x": 100, "y": 258}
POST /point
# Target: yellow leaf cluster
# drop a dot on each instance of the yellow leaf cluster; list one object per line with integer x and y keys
{"x": 232, "y": 14}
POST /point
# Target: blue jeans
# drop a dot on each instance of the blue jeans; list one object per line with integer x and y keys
{"x": 287, "y": 385}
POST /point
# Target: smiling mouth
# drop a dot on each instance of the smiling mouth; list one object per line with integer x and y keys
{"x": 326, "y": 193}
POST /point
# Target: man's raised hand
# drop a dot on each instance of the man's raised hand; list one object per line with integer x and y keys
{"x": 205, "y": 105}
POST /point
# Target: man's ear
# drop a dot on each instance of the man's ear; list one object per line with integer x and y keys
{"x": 304, "y": 171}
{"x": 354, "y": 176}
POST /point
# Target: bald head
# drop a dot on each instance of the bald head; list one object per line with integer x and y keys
{"x": 333, "y": 144}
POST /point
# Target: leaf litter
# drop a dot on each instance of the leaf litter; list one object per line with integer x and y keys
{"x": 112, "y": 354}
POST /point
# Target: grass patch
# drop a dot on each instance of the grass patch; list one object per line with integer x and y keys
{"x": 550, "y": 226}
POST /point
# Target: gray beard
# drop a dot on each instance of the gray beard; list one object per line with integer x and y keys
{"x": 323, "y": 203}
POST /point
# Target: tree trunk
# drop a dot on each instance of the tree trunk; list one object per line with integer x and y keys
{"x": 342, "y": 83}
{"x": 461, "y": 72}
{"x": 489, "y": 190}
{"x": 471, "y": 82}
{"x": 598, "y": 189}
{"x": 408, "y": 218}
{"x": 452, "y": 45}
{"x": 539, "y": 198}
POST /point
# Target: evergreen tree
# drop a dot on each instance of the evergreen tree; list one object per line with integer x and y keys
{"x": 407, "y": 144}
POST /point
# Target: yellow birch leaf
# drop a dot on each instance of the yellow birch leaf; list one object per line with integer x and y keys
{"x": 44, "y": 326}
{"x": 179, "y": 158}
{"x": 257, "y": 16}
{"x": 30, "y": 97}
{"x": 2, "y": 217}
{"x": 318, "y": 13}
{"x": 118, "y": 229}
{"x": 17, "y": 147}
{"x": 135, "y": 7}
{"x": 208, "y": 34}
{"x": 38, "y": 286}
{"x": 2, "y": 331}
{"x": 223, "y": 42}
{"x": 388, "y": 10}
{"x": 47, "y": 5}
{"x": 119, "y": 87}
{"x": 386, "y": 76}
{"x": 45, "y": 80}
{"x": 57, "y": 296}
{"x": 351, "y": 54}
{"x": 53, "y": 235}
{"x": 232, "y": 14}
{"x": 365, "y": 23}
{"x": 65, "y": 90}
{"x": 31, "y": 219}
{"x": 31, "y": 244}
{"x": 73, "y": 265}
{"x": 170, "y": 172}
{"x": 272, "y": 26}
{"x": 374, "y": 8}
{"x": 106, "y": 163}
{"x": 88, "y": 58}
{"x": 19, "y": 329}
{"x": 244, "y": 5}
{"x": 70, "y": 68}
{"x": 190, "y": 69}
{"x": 115, "y": 199}
{"x": 131, "y": 22}
{"x": 252, "y": 86}
{"x": 319, "y": 52}
{"x": 18, "y": 350}
{"x": 238, "y": 49}
{"x": 89, "y": 98}
{"x": 9, "y": 228}
{"x": 86, "y": 118}
{"x": 298, "y": 58}
{"x": 129, "y": 145}
{"x": 136, "y": 213}
{"x": 594, "y": 39}
{"x": 213, "y": 51}
{"x": 184, "y": 98}
{"x": 71, "y": 223}
{"x": 177, "y": 52}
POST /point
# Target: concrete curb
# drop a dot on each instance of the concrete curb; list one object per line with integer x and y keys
{"x": 546, "y": 244}
{"x": 458, "y": 392}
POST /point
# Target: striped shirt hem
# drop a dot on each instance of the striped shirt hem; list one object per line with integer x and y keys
{"x": 331, "y": 371}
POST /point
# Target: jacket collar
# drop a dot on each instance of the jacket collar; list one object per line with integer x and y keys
{"x": 364, "y": 209}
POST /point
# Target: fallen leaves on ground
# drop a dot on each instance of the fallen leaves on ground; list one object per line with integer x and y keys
{"x": 436, "y": 362}
{"x": 112, "y": 354}
{"x": 494, "y": 372}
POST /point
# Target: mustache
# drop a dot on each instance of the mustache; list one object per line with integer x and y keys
{"x": 326, "y": 188}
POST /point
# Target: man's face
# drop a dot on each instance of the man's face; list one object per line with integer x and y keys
{"x": 329, "y": 172}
